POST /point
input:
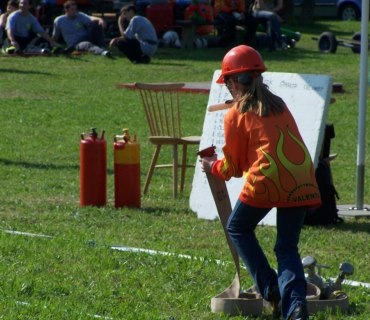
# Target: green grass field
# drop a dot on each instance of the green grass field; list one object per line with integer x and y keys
{"x": 47, "y": 102}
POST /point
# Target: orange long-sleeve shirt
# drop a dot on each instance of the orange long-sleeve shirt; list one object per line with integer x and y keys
{"x": 271, "y": 155}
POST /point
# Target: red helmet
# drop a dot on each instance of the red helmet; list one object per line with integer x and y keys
{"x": 240, "y": 59}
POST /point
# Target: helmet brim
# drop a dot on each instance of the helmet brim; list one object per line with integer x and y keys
{"x": 220, "y": 79}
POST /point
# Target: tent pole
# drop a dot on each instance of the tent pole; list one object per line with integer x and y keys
{"x": 362, "y": 107}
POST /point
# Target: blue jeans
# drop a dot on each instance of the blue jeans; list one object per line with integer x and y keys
{"x": 273, "y": 26}
{"x": 290, "y": 277}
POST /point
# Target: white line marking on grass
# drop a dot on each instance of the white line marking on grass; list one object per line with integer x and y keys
{"x": 100, "y": 317}
{"x": 28, "y": 234}
{"x": 22, "y": 303}
{"x": 219, "y": 262}
{"x": 164, "y": 253}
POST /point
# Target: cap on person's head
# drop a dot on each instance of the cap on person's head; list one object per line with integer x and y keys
{"x": 241, "y": 59}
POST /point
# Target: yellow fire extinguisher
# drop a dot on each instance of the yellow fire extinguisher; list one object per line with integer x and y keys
{"x": 127, "y": 191}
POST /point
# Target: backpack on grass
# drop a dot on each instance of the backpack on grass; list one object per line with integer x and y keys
{"x": 327, "y": 213}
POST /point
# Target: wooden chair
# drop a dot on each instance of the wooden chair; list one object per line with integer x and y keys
{"x": 162, "y": 110}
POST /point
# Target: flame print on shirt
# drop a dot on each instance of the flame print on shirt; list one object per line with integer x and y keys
{"x": 280, "y": 179}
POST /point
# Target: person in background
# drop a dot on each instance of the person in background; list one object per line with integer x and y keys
{"x": 80, "y": 31}
{"x": 272, "y": 6}
{"x": 283, "y": 8}
{"x": 11, "y": 6}
{"x": 23, "y": 28}
{"x": 267, "y": 12}
{"x": 229, "y": 14}
{"x": 264, "y": 145}
{"x": 138, "y": 40}
{"x": 170, "y": 39}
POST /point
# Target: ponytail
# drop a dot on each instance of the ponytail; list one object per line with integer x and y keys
{"x": 258, "y": 98}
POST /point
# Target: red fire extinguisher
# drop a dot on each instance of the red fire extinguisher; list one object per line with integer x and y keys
{"x": 93, "y": 169}
{"x": 127, "y": 192}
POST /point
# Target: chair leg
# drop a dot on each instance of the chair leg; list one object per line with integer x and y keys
{"x": 175, "y": 169}
{"x": 183, "y": 166}
{"x": 151, "y": 168}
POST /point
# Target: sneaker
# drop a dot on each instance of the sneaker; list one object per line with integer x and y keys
{"x": 284, "y": 43}
{"x": 107, "y": 54}
{"x": 45, "y": 51}
{"x": 10, "y": 50}
{"x": 299, "y": 313}
{"x": 33, "y": 50}
{"x": 285, "y": 46}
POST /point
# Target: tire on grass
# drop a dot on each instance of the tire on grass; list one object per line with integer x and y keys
{"x": 327, "y": 42}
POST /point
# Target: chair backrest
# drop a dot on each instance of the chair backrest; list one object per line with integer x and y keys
{"x": 162, "y": 108}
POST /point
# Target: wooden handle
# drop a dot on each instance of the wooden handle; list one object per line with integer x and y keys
{"x": 221, "y": 106}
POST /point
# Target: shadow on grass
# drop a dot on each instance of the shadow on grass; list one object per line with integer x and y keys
{"x": 355, "y": 226}
{"x": 216, "y": 53}
{"x": 162, "y": 210}
{"x": 319, "y": 27}
{"x": 24, "y": 71}
{"x": 35, "y": 165}
{"x": 352, "y": 225}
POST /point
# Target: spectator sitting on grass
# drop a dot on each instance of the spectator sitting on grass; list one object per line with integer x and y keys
{"x": 138, "y": 40}
{"x": 80, "y": 31}
{"x": 23, "y": 29}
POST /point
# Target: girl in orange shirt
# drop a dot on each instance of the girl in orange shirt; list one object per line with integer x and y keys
{"x": 263, "y": 144}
